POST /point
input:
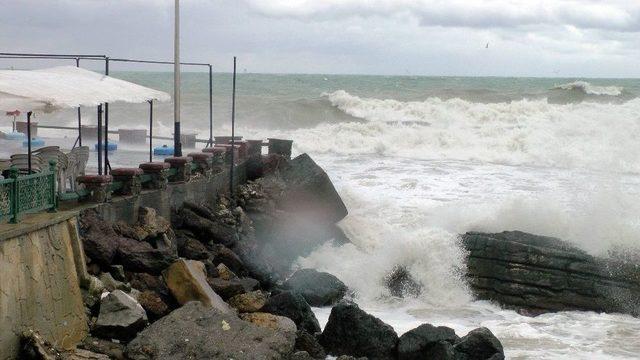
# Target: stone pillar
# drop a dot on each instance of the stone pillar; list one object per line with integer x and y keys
{"x": 217, "y": 161}
{"x": 204, "y": 160}
{"x": 159, "y": 173}
{"x": 254, "y": 147}
{"x": 130, "y": 179}
{"x": 98, "y": 187}
{"x": 280, "y": 147}
{"x": 182, "y": 165}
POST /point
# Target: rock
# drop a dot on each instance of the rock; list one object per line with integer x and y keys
{"x": 293, "y": 306}
{"x": 301, "y": 355}
{"x": 100, "y": 242}
{"x": 34, "y": 347}
{"x": 187, "y": 282}
{"x": 479, "y": 344}
{"x": 348, "y": 357}
{"x": 200, "y": 210}
{"x": 221, "y": 254}
{"x": 142, "y": 257}
{"x": 351, "y": 331}
{"x": 427, "y": 342}
{"x": 226, "y": 288}
{"x": 91, "y": 295}
{"x": 117, "y": 271}
{"x": 193, "y": 249}
{"x": 121, "y": 317}
{"x": 317, "y": 288}
{"x": 308, "y": 343}
{"x": 111, "y": 349}
{"x": 249, "y": 302}
{"x": 224, "y": 273}
{"x": 197, "y": 332}
{"x": 217, "y": 231}
{"x": 270, "y": 321}
{"x": 249, "y": 284}
{"x": 401, "y": 283}
{"x": 153, "y": 304}
{"x": 539, "y": 274}
{"x": 112, "y": 284}
{"x": 149, "y": 225}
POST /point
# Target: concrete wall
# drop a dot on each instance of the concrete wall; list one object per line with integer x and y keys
{"x": 40, "y": 263}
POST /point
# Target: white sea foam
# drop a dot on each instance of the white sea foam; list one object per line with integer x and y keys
{"x": 590, "y": 89}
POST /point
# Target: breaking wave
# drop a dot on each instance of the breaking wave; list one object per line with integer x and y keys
{"x": 590, "y": 89}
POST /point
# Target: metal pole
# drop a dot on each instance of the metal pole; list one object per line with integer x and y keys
{"x": 107, "y": 166}
{"x": 29, "y": 140}
{"x": 210, "y": 143}
{"x": 100, "y": 139}
{"x": 150, "y": 130}
{"x": 79, "y": 115}
{"x": 177, "y": 146}
{"x": 233, "y": 127}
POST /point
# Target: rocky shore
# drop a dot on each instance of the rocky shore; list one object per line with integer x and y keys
{"x": 215, "y": 282}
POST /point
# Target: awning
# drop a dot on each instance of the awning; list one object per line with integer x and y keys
{"x": 67, "y": 87}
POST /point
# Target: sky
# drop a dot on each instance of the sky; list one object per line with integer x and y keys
{"x": 547, "y": 38}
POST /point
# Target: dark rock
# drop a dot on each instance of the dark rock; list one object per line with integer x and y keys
{"x": 207, "y": 230}
{"x": 317, "y": 288}
{"x": 301, "y": 355}
{"x": 99, "y": 240}
{"x": 193, "y": 249}
{"x": 226, "y": 288}
{"x": 401, "y": 283}
{"x": 221, "y": 254}
{"x": 153, "y": 304}
{"x": 308, "y": 343}
{"x": 249, "y": 284}
{"x": 351, "y": 331}
{"x": 111, "y": 284}
{"x": 121, "y": 317}
{"x": 542, "y": 274}
{"x": 117, "y": 271}
{"x": 109, "y": 348}
{"x": 140, "y": 256}
{"x": 195, "y": 331}
{"x": 201, "y": 210}
{"x": 293, "y": 306}
{"x": 427, "y": 342}
{"x": 479, "y": 344}
{"x": 348, "y": 357}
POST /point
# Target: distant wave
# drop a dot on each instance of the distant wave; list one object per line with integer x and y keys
{"x": 590, "y": 89}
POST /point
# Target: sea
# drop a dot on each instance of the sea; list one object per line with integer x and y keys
{"x": 420, "y": 160}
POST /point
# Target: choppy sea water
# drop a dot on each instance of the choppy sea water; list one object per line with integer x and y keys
{"x": 419, "y": 160}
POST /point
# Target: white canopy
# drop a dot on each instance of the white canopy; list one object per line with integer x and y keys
{"x": 67, "y": 87}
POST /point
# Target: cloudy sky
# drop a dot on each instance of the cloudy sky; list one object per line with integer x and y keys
{"x": 587, "y": 38}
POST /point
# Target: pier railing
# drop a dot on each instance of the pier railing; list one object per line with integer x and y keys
{"x": 23, "y": 194}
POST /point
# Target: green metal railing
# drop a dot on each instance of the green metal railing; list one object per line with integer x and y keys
{"x": 23, "y": 194}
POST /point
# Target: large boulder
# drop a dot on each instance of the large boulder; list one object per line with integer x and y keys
{"x": 193, "y": 249}
{"x": 351, "y": 331}
{"x": 100, "y": 242}
{"x": 226, "y": 288}
{"x": 188, "y": 282}
{"x": 308, "y": 343}
{"x": 149, "y": 225}
{"x": 196, "y": 332}
{"x": 140, "y": 256}
{"x": 479, "y": 344}
{"x": 121, "y": 317}
{"x": 401, "y": 283}
{"x": 249, "y": 302}
{"x": 317, "y": 288}
{"x": 217, "y": 231}
{"x": 541, "y": 274}
{"x": 221, "y": 254}
{"x": 427, "y": 342}
{"x": 293, "y": 306}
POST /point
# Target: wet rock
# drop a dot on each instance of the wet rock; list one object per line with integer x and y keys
{"x": 293, "y": 306}
{"x": 218, "y": 232}
{"x": 198, "y": 332}
{"x": 121, "y": 317}
{"x": 100, "y": 242}
{"x": 249, "y": 302}
{"x": 153, "y": 304}
{"x": 317, "y": 288}
{"x": 225, "y": 273}
{"x": 270, "y": 321}
{"x": 401, "y": 283}
{"x": 117, "y": 271}
{"x": 351, "y": 331}
{"x": 427, "y": 342}
{"x": 226, "y": 288}
{"x": 479, "y": 344}
{"x": 308, "y": 343}
{"x": 249, "y": 284}
{"x": 349, "y": 357}
{"x": 221, "y": 254}
{"x": 186, "y": 279}
{"x": 111, "y": 349}
{"x": 542, "y": 274}
{"x": 301, "y": 355}
{"x": 149, "y": 225}
{"x": 193, "y": 249}
{"x": 111, "y": 284}
{"x": 140, "y": 256}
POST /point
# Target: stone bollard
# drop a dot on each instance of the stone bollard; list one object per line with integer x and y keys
{"x": 243, "y": 148}
{"x": 98, "y": 187}
{"x": 130, "y": 179}
{"x": 217, "y": 161}
{"x": 204, "y": 160}
{"x": 159, "y": 173}
{"x": 182, "y": 165}
{"x": 254, "y": 147}
{"x": 280, "y": 147}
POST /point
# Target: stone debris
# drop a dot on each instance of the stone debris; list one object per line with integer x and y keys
{"x": 120, "y": 317}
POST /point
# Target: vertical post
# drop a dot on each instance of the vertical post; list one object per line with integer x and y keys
{"x": 107, "y": 166}
{"x": 210, "y": 143}
{"x": 79, "y": 115}
{"x": 150, "y": 130}
{"x": 233, "y": 128}
{"x": 100, "y": 139}
{"x": 29, "y": 139}
{"x": 177, "y": 146}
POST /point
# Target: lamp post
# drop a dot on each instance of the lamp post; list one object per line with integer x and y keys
{"x": 177, "y": 146}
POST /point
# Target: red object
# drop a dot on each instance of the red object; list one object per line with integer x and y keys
{"x": 13, "y": 113}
